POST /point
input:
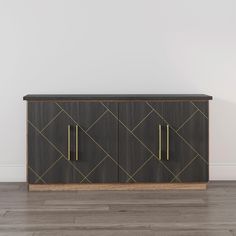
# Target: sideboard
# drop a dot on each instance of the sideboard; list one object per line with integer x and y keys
{"x": 128, "y": 141}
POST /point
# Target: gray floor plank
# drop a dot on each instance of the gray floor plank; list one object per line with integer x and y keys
{"x": 169, "y": 212}
{"x": 97, "y": 233}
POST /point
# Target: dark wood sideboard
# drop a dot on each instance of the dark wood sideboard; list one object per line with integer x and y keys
{"x": 117, "y": 141}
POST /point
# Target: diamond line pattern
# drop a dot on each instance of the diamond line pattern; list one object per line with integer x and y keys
{"x": 34, "y": 172}
{"x": 51, "y": 121}
{"x": 140, "y": 167}
{"x": 107, "y": 155}
{"x": 199, "y": 110}
{"x": 49, "y": 168}
{"x": 140, "y": 143}
{"x": 184, "y": 168}
{"x": 94, "y": 168}
{"x": 179, "y": 134}
{"x": 187, "y": 120}
{"x": 97, "y": 144}
{"x": 57, "y": 151}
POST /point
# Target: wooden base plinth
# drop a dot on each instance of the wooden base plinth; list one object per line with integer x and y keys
{"x": 128, "y": 186}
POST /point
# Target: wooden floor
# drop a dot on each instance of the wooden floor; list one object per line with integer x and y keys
{"x": 144, "y": 213}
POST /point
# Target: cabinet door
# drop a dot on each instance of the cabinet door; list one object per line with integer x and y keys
{"x": 72, "y": 142}
{"x": 163, "y": 141}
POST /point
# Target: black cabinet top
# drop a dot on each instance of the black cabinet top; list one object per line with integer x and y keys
{"x": 47, "y": 97}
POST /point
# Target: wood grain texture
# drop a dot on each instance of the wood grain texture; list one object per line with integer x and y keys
{"x": 118, "y": 142}
{"x": 48, "y": 144}
{"x": 132, "y": 186}
{"x": 103, "y": 213}
{"x": 139, "y": 142}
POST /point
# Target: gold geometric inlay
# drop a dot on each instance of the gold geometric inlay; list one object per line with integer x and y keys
{"x": 130, "y": 176}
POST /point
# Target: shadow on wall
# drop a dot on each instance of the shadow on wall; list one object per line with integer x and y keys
{"x": 222, "y": 140}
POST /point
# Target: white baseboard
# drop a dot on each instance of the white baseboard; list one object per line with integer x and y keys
{"x": 218, "y": 171}
{"x": 12, "y": 173}
{"x": 222, "y": 171}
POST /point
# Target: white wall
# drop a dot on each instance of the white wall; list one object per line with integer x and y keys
{"x": 121, "y": 46}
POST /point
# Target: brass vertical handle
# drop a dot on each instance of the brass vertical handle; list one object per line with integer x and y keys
{"x": 68, "y": 142}
{"x": 167, "y": 142}
{"x": 76, "y": 142}
{"x": 159, "y": 154}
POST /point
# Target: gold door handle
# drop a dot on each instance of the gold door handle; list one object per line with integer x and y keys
{"x": 68, "y": 142}
{"x": 159, "y": 154}
{"x": 167, "y": 142}
{"x": 76, "y": 142}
